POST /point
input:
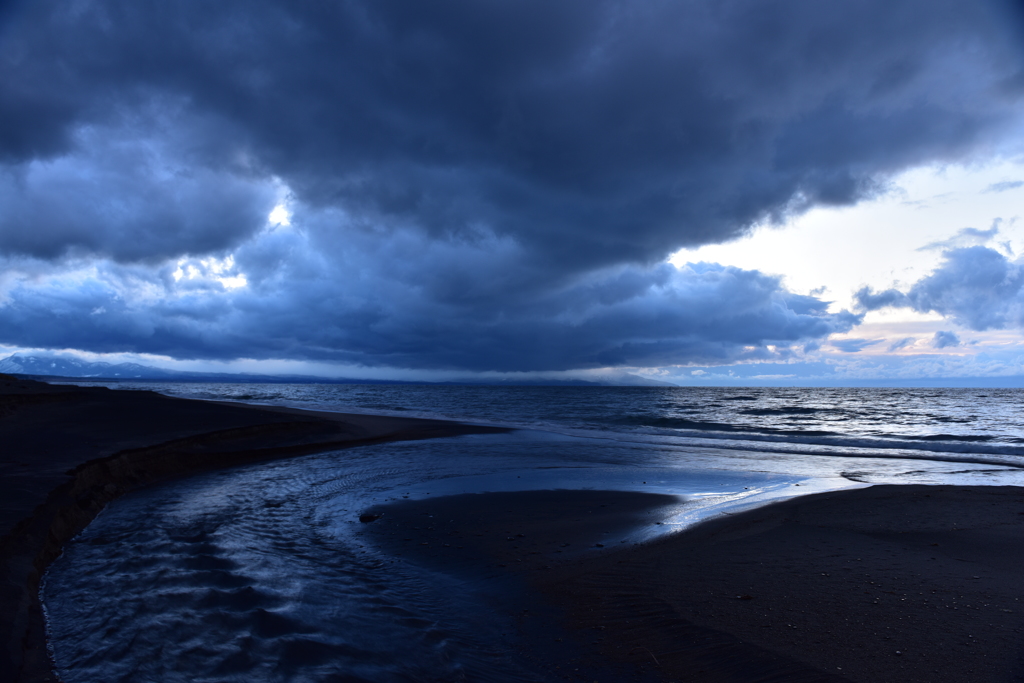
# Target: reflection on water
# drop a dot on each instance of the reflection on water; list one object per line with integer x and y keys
{"x": 260, "y": 573}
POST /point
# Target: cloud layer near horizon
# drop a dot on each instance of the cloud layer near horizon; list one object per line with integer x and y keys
{"x": 474, "y": 185}
{"x": 413, "y": 302}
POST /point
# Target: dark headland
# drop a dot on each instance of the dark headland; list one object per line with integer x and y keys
{"x": 888, "y": 583}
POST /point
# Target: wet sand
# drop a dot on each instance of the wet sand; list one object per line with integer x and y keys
{"x": 67, "y": 451}
{"x": 888, "y": 583}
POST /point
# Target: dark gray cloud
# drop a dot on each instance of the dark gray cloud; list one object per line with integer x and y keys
{"x": 944, "y": 339}
{"x": 127, "y": 198}
{"x": 338, "y": 304}
{"x": 901, "y": 344}
{"x": 853, "y": 345}
{"x": 870, "y": 300}
{"x": 976, "y": 287}
{"x": 474, "y": 184}
{"x": 590, "y": 131}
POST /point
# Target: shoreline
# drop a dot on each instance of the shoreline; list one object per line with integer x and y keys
{"x": 901, "y": 583}
{"x": 908, "y": 583}
{"x": 71, "y": 450}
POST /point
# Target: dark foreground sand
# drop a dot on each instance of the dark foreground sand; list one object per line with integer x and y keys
{"x": 66, "y": 451}
{"x": 889, "y": 583}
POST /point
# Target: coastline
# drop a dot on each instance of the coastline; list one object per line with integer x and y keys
{"x": 69, "y": 451}
{"x": 900, "y": 583}
{"x": 908, "y": 583}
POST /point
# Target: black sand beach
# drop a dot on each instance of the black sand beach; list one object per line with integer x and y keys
{"x": 888, "y": 583}
{"x": 900, "y": 583}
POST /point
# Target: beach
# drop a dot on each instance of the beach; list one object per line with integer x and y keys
{"x": 902, "y": 583}
{"x": 68, "y": 451}
{"x": 888, "y": 583}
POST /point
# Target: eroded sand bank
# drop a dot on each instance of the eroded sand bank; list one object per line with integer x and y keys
{"x": 67, "y": 451}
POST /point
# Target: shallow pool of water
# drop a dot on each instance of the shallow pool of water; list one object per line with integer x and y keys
{"x": 258, "y": 573}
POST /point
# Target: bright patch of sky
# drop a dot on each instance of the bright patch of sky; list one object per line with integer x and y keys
{"x": 891, "y": 241}
{"x": 219, "y": 270}
{"x": 280, "y": 216}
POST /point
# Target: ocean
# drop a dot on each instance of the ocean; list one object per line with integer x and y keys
{"x": 261, "y": 573}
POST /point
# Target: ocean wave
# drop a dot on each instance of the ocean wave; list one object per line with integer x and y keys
{"x": 883, "y": 446}
{"x": 792, "y": 410}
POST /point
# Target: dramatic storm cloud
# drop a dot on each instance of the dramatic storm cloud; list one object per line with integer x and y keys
{"x": 475, "y": 185}
{"x": 332, "y": 302}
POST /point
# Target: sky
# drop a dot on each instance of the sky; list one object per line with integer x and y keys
{"x": 783, "y": 192}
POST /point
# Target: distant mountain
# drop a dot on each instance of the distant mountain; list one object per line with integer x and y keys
{"x": 69, "y": 367}
{"x": 625, "y": 379}
{"x": 63, "y": 366}
{"x": 66, "y": 367}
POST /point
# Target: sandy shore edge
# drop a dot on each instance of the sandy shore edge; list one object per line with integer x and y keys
{"x": 69, "y": 451}
{"x": 900, "y": 583}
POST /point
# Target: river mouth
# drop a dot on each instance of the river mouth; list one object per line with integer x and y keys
{"x": 265, "y": 573}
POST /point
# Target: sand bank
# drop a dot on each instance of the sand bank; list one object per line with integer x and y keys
{"x": 68, "y": 451}
{"x": 889, "y": 583}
